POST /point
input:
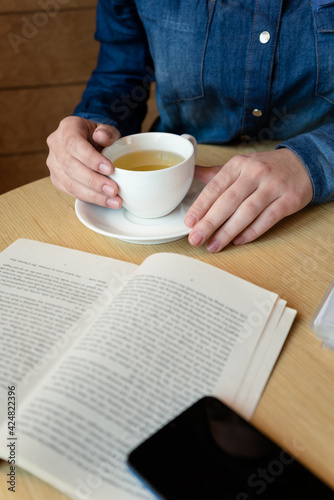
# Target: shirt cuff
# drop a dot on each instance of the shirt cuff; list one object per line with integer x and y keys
{"x": 96, "y": 118}
{"x": 316, "y": 151}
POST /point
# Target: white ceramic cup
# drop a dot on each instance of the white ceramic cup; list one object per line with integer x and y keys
{"x": 154, "y": 193}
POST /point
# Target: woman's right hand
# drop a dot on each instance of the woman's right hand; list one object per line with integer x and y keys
{"x": 76, "y": 164}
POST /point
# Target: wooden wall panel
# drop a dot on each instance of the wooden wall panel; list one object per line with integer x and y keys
{"x": 28, "y": 116}
{"x": 41, "y": 78}
{"x": 63, "y": 51}
{"x": 43, "y": 5}
{"x": 17, "y": 170}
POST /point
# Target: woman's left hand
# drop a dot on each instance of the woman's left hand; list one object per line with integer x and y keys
{"x": 246, "y": 197}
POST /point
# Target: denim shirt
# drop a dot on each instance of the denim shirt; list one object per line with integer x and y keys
{"x": 225, "y": 71}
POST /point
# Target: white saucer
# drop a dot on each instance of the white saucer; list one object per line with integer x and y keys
{"x": 124, "y": 226}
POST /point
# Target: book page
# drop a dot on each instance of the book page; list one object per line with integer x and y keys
{"x": 165, "y": 340}
{"x": 44, "y": 290}
{"x": 261, "y": 364}
{"x": 266, "y": 361}
{"x": 239, "y": 311}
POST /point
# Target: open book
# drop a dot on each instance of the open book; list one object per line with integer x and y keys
{"x": 101, "y": 353}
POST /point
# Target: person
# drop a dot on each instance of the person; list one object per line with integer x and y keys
{"x": 249, "y": 72}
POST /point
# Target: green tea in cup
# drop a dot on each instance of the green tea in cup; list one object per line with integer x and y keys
{"x": 148, "y": 160}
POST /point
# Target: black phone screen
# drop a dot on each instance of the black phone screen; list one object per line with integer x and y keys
{"x": 210, "y": 453}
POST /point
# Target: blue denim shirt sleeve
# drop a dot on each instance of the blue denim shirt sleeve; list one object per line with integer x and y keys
{"x": 118, "y": 89}
{"x": 316, "y": 150}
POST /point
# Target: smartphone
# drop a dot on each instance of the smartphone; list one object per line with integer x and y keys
{"x": 209, "y": 452}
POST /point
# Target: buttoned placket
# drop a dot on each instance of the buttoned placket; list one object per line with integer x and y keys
{"x": 260, "y": 65}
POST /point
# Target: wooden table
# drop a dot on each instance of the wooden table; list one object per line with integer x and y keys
{"x": 294, "y": 259}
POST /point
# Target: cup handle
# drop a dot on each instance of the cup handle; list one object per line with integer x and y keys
{"x": 192, "y": 140}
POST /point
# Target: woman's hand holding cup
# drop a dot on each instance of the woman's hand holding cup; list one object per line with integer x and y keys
{"x": 76, "y": 164}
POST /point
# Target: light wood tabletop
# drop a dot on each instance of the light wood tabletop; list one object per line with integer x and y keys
{"x": 294, "y": 259}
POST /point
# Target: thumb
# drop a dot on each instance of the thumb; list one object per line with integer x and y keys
{"x": 205, "y": 174}
{"x": 104, "y": 135}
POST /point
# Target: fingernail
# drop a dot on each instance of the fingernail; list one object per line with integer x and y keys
{"x": 104, "y": 169}
{"x": 196, "y": 238}
{"x": 212, "y": 246}
{"x": 190, "y": 220}
{"x": 103, "y": 131}
{"x": 239, "y": 240}
{"x": 113, "y": 203}
{"x": 108, "y": 190}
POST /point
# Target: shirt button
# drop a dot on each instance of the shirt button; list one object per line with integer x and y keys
{"x": 264, "y": 37}
{"x": 257, "y": 112}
